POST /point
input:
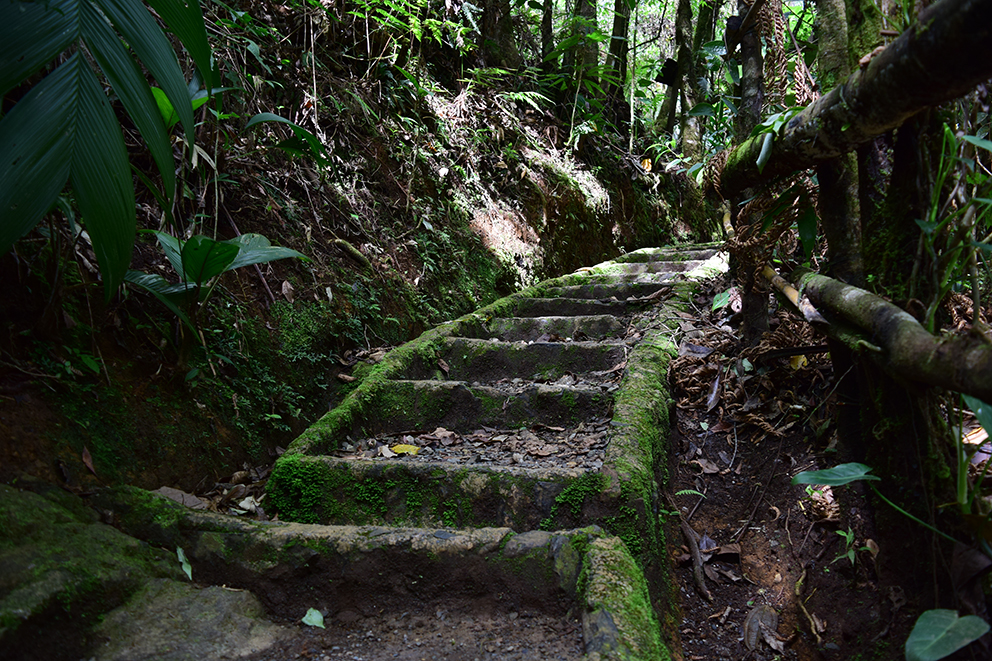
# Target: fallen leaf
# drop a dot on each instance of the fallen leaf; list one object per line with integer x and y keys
{"x": 88, "y": 460}
{"x": 706, "y": 465}
{"x": 443, "y": 366}
{"x": 759, "y": 618}
{"x": 346, "y": 378}
{"x": 386, "y": 452}
{"x": 405, "y": 449}
{"x": 287, "y": 290}
{"x": 314, "y": 618}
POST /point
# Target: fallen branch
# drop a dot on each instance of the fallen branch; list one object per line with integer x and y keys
{"x": 897, "y": 341}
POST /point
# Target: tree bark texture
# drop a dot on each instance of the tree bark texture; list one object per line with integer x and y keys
{"x": 683, "y": 55}
{"x": 897, "y": 341}
{"x": 616, "y": 62}
{"x": 942, "y": 56}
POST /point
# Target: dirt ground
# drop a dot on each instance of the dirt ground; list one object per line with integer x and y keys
{"x": 789, "y": 571}
{"x": 450, "y": 630}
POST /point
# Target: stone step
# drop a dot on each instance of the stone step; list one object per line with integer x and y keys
{"x": 370, "y": 574}
{"x": 668, "y": 254}
{"x": 488, "y": 361}
{"x": 554, "y": 328}
{"x": 398, "y": 405}
{"x": 571, "y": 307}
{"x": 639, "y": 268}
{"x": 620, "y": 290}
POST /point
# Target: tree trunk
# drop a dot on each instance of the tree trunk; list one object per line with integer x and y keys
{"x": 616, "y": 63}
{"x": 946, "y": 53}
{"x": 754, "y": 300}
{"x": 547, "y": 36}
{"x": 683, "y": 54}
{"x": 692, "y": 127}
{"x": 498, "y": 45}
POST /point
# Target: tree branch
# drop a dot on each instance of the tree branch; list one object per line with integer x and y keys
{"x": 897, "y": 341}
{"x": 941, "y": 57}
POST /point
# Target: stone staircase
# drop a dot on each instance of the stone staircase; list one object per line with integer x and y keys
{"x": 511, "y": 460}
{"x": 546, "y": 411}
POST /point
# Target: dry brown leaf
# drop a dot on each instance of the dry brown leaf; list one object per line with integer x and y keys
{"x": 88, "y": 460}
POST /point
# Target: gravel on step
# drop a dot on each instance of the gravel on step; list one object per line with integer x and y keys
{"x": 538, "y": 446}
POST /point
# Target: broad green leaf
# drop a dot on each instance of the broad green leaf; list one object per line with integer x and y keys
{"x": 204, "y": 259}
{"x": 316, "y": 147}
{"x": 939, "y": 633}
{"x": 185, "y": 19}
{"x": 34, "y": 159}
{"x": 766, "y": 151}
{"x": 172, "y": 249}
{"x": 981, "y": 410}
{"x": 170, "y": 295}
{"x": 836, "y": 476}
{"x": 314, "y": 618}
{"x": 721, "y": 300}
{"x": 33, "y": 34}
{"x": 142, "y": 33}
{"x": 256, "y": 249}
{"x": 978, "y": 142}
{"x": 132, "y": 89}
{"x": 807, "y": 230}
{"x": 702, "y": 110}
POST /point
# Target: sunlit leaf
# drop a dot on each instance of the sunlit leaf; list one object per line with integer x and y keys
{"x": 721, "y": 300}
{"x": 981, "y": 410}
{"x": 314, "y": 618}
{"x": 939, "y": 633}
{"x": 256, "y": 249}
{"x": 185, "y": 562}
{"x": 836, "y": 476}
{"x": 978, "y": 142}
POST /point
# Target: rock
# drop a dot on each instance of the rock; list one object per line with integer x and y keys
{"x": 171, "y": 621}
{"x": 183, "y": 498}
{"x": 60, "y": 568}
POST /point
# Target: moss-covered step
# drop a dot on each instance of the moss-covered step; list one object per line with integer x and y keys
{"x": 488, "y": 361}
{"x": 532, "y": 329}
{"x": 621, "y": 495}
{"x": 641, "y": 268}
{"x": 670, "y": 254}
{"x": 619, "y": 290}
{"x": 398, "y": 405}
{"x": 387, "y": 571}
{"x": 572, "y": 307}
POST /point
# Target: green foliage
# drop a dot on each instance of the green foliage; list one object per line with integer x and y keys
{"x": 64, "y": 130}
{"x": 199, "y": 262}
{"x": 939, "y": 633}
{"x": 836, "y": 476}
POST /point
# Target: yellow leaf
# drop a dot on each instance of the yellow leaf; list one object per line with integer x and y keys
{"x": 797, "y": 362}
{"x": 646, "y": 164}
{"x": 405, "y": 449}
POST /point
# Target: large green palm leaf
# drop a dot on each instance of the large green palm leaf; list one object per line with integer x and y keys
{"x": 64, "y": 129}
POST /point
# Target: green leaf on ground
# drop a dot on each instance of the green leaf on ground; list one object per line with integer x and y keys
{"x": 940, "y": 632}
{"x": 836, "y": 476}
{"x": 314, "y": 618}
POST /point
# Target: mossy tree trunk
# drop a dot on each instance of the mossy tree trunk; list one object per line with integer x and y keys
{"x": 692, "y": 127}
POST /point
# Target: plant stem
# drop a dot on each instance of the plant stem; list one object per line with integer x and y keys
{"x": 919, "y": 521}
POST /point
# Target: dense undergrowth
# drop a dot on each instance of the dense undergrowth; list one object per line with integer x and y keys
{"x": 440, "y": 187}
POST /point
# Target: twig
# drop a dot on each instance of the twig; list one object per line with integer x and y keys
{"x": 261, "y": 277}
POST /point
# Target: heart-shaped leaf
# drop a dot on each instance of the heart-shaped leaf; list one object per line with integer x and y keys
{"x": 940, "y": 632}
